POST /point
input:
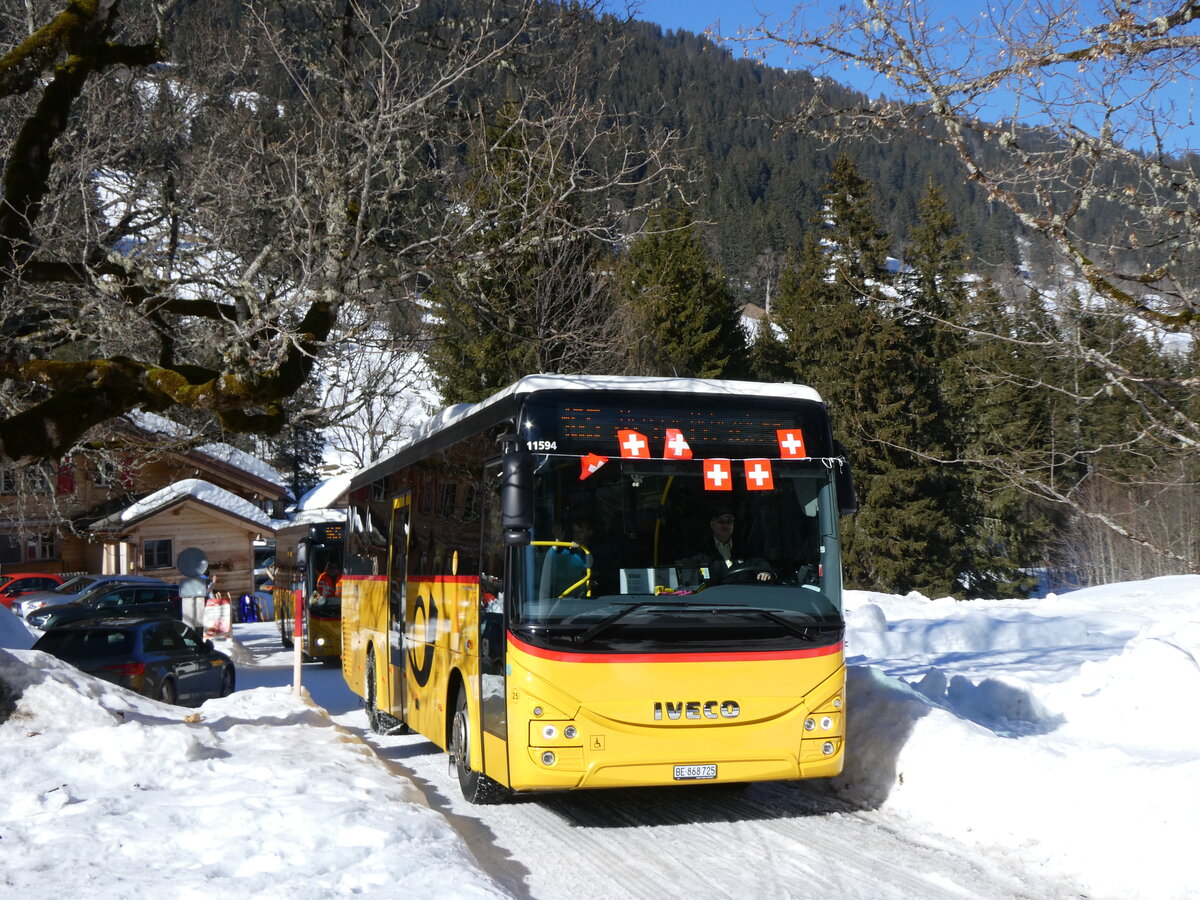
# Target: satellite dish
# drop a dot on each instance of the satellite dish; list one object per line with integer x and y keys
{"x": 192, "y": 562}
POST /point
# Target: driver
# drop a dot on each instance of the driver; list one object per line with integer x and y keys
{"x": 723, "y": 554}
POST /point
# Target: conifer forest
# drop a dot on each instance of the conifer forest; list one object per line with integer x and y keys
{"x": 219, "y": 211}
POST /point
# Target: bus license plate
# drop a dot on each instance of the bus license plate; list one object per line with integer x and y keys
{"x": 695, "y": 773}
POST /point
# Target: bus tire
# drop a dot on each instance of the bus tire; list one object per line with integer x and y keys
{"x": 374, "y": 717}
{"x": 381, "y": 722}
{"x": 284, "y": 637}
{"x": 476, "y": 787}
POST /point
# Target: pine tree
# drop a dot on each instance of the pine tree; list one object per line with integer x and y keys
{"x": 768, "y": 358}
{"x": 683, "y": 318}
{"x": 926, "y": 439}
{"x": 860, "y": 247}
{"x": 1011, "y": 427}
{"x": 871, "y": 346}
{"x": 771, "y": 350}
{"x": 836, "y": 333}
{"x": 526, "y": 293}
{"x": 298, "y": 450}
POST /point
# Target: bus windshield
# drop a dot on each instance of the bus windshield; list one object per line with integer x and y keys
{"x": 640, "y": 556}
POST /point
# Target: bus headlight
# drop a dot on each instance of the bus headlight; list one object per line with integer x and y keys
{"x": 810, "y": 724}
{"x": 827, "y": 748}
{"x": 826, "y": 723}
{"x": 569, "y": 732}
{"x": 548, "y": 758}
{"x": 549, "y": 732}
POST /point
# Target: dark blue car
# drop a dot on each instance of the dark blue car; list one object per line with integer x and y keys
{"x": 116, "y": 600}
{"x": 155, "y": 656}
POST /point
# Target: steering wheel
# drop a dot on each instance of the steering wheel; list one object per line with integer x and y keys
{"x": 746, "y": 572}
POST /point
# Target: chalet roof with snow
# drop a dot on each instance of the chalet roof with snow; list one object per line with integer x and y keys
{"x": 214, "y": 456}
{"x": 202, "y": 492}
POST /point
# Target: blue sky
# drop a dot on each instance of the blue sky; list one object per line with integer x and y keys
{"x": 698, "y": 15}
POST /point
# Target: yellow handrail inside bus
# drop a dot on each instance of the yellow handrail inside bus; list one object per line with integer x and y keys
{"x": 662, "y": 502}
{"x": 587, "y": 571}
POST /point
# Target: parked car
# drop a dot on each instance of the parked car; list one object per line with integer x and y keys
{"x": 14, "y": 584}
{"x": 74, "y": 589}
{"x": 155, "y": 656}
{"x": 112, "y": 600}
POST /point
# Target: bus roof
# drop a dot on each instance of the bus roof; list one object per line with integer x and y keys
{"x": 505, "y": 401}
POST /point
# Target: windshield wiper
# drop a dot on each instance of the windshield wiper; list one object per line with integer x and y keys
{"x": 810, "y": 632}
{"x": 584, "y": 636}
{"x": 804, "y": 632}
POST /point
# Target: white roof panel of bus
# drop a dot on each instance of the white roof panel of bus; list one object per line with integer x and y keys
{"x": 532, "y": 384}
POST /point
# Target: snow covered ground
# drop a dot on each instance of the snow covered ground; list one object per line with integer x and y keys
{"x": 1054, "y": 741}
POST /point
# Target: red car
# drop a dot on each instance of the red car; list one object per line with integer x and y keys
{"x": 14, "y": 584}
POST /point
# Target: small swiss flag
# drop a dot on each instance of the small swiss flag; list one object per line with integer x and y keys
{"x": 791, "y": 443}
{"x": 718, "y": 475}
{"x": 676, "y": 446}
{"x": 758, "y": 475}
{"x": 590, "y": 464}
{"x": 633, "y": 444}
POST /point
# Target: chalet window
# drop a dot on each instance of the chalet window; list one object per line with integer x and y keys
{"x": 42, "y": 480}
{"x": 10, "y": 550}
{"x": 471, "y": 504}
{"x": 156, "y": 554}
{"x": 105, "y": 474}
{"x": 41, "y": 546}
{"x": 425, "y": 496}
{"x": 37, "y": 479}
{"x": 447, "y": 498}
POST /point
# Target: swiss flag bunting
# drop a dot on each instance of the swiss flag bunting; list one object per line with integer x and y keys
{"x": 758, "y": 475}
{"x": 676, "y": 445}
{"x": 791, "y": 443}
{"x": 590, "y": 463}
{"x": 718, "y": 475}
{"x": 633, "y": 444}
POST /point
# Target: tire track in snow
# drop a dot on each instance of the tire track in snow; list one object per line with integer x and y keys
{"x": 773, "y": 840}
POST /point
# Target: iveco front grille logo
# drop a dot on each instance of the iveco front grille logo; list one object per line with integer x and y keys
{"x": 697, "y": 709}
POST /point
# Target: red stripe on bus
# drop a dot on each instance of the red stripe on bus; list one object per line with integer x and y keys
{"x": 422, "y": 579}
{"x": 732, "y": 656}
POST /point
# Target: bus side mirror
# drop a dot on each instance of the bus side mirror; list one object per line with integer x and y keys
{"x": 516, "y": 497}
{"x": 846, "y": 497}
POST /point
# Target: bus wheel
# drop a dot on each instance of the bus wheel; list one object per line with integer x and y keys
{"x": 374, "y": 717}
{"x": 476, "y": 787}
{"x": 284, "y": 637}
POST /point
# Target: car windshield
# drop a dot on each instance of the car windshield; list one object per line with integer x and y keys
{"x": 67, "y": 642}
{"x": 74, "y": 585}
{"x": 642, "y": 556}
{"x": 97, "y": 592}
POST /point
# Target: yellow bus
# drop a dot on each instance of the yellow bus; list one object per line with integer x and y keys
{"x": 534, "y": 584}
{"x": 309, "y": 566}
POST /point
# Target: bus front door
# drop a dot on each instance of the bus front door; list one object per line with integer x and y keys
{"x": 396, "y": 692}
